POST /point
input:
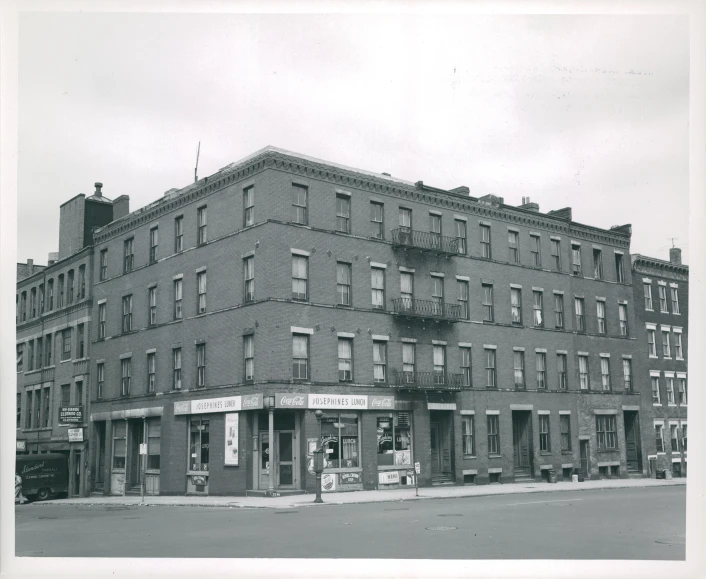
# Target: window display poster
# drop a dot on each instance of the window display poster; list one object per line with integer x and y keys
{"x": 402, "y": 457}
{"x": 328, "y": 482}
{"x": 231, "y": 450}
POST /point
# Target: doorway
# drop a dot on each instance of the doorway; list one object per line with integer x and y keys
{"x": 522, "y": 442}
{"x": 100, "y": 457}
{"x": 584, "y": 457}
{"x": 632, "y": 441}
{"x": 441, "y": 442}
{"x": 76, "y": 474}
{"x": 134, "y": 467}
{"x": 278, "y": 460}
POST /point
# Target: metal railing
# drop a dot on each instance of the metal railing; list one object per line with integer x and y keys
{"x": 425, "y": 240}
{"x": 427, "y": 309}
{"x": 427, "y": 380}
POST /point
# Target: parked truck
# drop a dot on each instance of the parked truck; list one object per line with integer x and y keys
{"x": 43, "y": 475}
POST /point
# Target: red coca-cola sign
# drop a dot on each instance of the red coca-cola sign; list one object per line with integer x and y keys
{"x": 382, "y": 402}
{"x": 290, "y": 400}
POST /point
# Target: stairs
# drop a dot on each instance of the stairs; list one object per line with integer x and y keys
{"x": 442, "y": 479}
{"x": 523, "y": 475}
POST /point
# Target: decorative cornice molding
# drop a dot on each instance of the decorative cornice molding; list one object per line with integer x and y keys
{"x": 659, "y": 268}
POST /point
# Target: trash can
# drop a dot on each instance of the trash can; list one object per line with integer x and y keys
{"x": 668, "y": 474}
{"x": 551, "y": 475}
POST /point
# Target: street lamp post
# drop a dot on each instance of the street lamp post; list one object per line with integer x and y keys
{"x": 318, "y": 460}
{"x": 269, "y": 403}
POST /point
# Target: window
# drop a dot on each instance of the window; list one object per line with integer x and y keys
{"x": 488, "y": 314}
{"x": 126, "y": 375}
{"x": 377, "y": 220}
{"x": 66, "y": 344}
{"x": 408, "y": 353}
{"x": 201, "y": 217}
{"x": 50, "y": 295}
{"x": 379, "y": 361}
{"x": 541, "y": 363}
{"x": 597, "y": 263}
{"x": 100, "y": 380}
{"x": 154, "y": 242}
{"x": 681, "y": 390}
{"x": 30, "y": 356}
{"x": 485, "y": 242}
{"x": 249, "y": 278}
{"x": 466, "y": 365}
{"x": 200, "y": 365}
{"x": 535, "y": 250}
{"x": 561, "y": 371}
{"x": 201, "y": 286}
{"x": 65, "y": 395}
{"x": 666, "y": 349}
{"x": 33, "y": 303}
{"x": 619, "y": 275}
{"x": 437, "y": 294}
{"x": 463, "y": 299}
{"x": 565, "y": 427}
{"x": 345, "y": 360}
{"x": 406, "y": 290}
{"x": 40, "y": 358}
{"x": 48, "y": 347}
{"x": 606, "y": 432}
{"x": 343, "y": 213}
{"x": 128, "y": 255}
{"x": 435, "y": 229}
{"x": 583, "y": 372}
{"x": 674, "y": 436}
{"x": 493, "y": 442}
{"x": 545, "y": 443}
{"x": 405, "y": 218}
{"x": 652, "y": 342}
{"x": 605, "y": 373}
{"x": 513, "y": 239}
{"x": 152, "y": 300}
{"x": 119, "y": 446}
{"x": 675, "y": 300}
{"x": 249, "y": 206}
{"x": 575, "y": 259}
{"x": 556, "y": 254}
{"x": 103, "y": 272}
{"x": 178, "y": 234}
{"x": 28, "y": 416}
{"x": 659, "y": 437}
{"x": 600, "y": 315}
{"x": 678, "y": 352}
{"x": 648, "y": 296}
{"x": 538, "y": 309}
{"x": 127, "y": 314}
{"x": 377, "y": 281}
{"x": 176, "y": 368}
{"x": 101, "y": 321}
{"x": 580, "y": 317}
{"x": 490, "y": 376}
{"x": 151, "y": 370}
{"x": 46, "y": 404}
{"x": 249, "y": 355}
{"x": 40, "y": 299}
{"x": 683, "y": 436}
{"x": 468, "y": 434}
{"x": 671, "y": 400}
{"x": 461, "y": 236}
{"x": 70, "y": 287}
{"x": 623, "y": 316}
{"x": 154, "y": 433}
{"x": 343, "y": 283}
{"x": 59, "y": 297}
{"x": 198, "y": 444}
{"x": 18, "y": 411}
{"x": 627, "y": 373}
{"x": 516, "y": 305}
{"x": 439, "y": 359}
{"x": 339, "y": 439}
{"x": 300, "y": 275}
{"x": 299, "y": 204}
{"x": 655, "y": 390}
{"x": 20, "y": 348}
{"x": 80, "y": 342}
{"x": 300, "y": 357}
{"x": 559, "y": 311}
{"x": 662, "y": 298}
{"x": 519, "y": 366}
{"x": 178, "y": 296}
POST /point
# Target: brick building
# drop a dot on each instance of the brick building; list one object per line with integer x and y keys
{"x": 53, "y": 309}
{"x": 661, "y": 296}
{"x": 488, "y": 342}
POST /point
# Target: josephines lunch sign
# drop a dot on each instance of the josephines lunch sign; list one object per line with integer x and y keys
{"x": 335, "y": 401}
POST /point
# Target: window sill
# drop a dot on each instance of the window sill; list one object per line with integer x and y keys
{"x": 62, "y": 361}
{"x": 545, "y": 452}
{"x": 469, "y": 456}
{"x": 197, "y": 473}
{"x": 567, "y": 451}
{"x": 656, "y": 404}
{"x": 495, "y": 456}
{"x": 608, "y": 450}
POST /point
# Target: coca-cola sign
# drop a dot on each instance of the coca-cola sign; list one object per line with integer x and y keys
{"x": 290, "y": 401}
{"x": 333, "y": 401}
{"x": 252, "y": 402}
{"x": 381, "y": 402}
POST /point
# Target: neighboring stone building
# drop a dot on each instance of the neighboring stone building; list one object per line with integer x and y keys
{"x": 661, "y": 296}
{"x": 489, "y": 343}
{"x": 53, "y": 341}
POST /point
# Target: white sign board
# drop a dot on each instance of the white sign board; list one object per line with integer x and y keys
{"x": 75, "y": 434}
{"x": 388, "y": 478}
{"x": 328, "y": 482}
{"x": 143, "y": 448}
{"x": 417, "y": 468}
{"x": 338, "y": 401}
{"x": 231, "y": 450}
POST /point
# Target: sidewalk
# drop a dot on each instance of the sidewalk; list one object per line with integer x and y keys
{"x": 357, "y": 497}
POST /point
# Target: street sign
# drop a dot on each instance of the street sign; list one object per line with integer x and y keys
{"x": 417, "y": 468}
{"x": 143, "y": 448}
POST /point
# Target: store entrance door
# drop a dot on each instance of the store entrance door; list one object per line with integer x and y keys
{"x": 279, "y": 461}
{"x": 632, "y": 441}
{"x": 134, "y": 467}
{"x": 521, "y": 443}
{"x": 441, "y": 442}
{"x": 584, "y": 458}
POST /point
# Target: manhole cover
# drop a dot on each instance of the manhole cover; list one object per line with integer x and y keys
{"x": 285, "y": 512}
{"x": 450, "y": 515}
{"x": 441, "y": 528}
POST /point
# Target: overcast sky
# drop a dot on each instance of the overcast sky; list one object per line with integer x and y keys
{"x": 583, "y": 111}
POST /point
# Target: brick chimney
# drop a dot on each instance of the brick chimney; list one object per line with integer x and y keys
{"x": 527, "y": 204}
{"x": 98, "y": 192}
{"x": 675, "y": 255}
{"x": 121, "y": 207}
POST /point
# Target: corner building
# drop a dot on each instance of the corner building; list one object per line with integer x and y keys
{"x": 487, "y": 342}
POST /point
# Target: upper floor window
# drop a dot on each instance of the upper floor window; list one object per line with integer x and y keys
{"x": 249, "y": 206}
{"x": 80, "y": 341}
{"x": 558, "y": 311}
{"x": 20, "y": 353}
{"x": 538, "y": 309}
{"x": 345, "y": 360}
{"x": 583, "y": 372}
{"x": 627, "y": 373}
{"x": 485, "y": 250}
{"x": 666, "y": 348}
{"x": 662, "y": 298}
{"x": 406, "y": 289}
{"x": 544, "y": 437}
{"x": 461, "y": 236}
{"x": 377, "y": 282}
{"x": 200, "y": 365}
{"x": 81, "y": 282}
{"x": 178, "y": 296}
{"x": 488, "y": 313}
{"x": 23, "y": 306}
{"x": 178, "y": 234}
{"x": 201, "y": 287}
{"x": 154, "y": 242}
{"x": 377, "y": 220}
{"x": 516, "y": 305}
{"x": 127, "y": 313}
{"x": 151, "y": 372}
{"x": 103, "y": 268}
{"x": 675, "y": 300}
{"x": 651, "y": 343}
{"x": 575, "y": 259}
{"x": 300, "y": 357}
{"x": 405, "y": 218}
{"x": 299, "y": 204}
{"x": 437, "y": 294}
{"x": 379, "y": 361}
{"x": 597, "y": 263}
{"x": 128, "y": 254}
{"x": 343, "y": 213}
{"x": 50, "y": 295}
{"x": 176, "y": 368}
{"x": 249, "y": 355}
{"x": 619, "y": 274}
{"x": 201, "y": 216}
{"x": 519, "y": 367}
{"x": 623, "y": 317}
{"x": 100, "y": 380}
{"x": 249, "y": 278}
{"x": 66, "y": 344}
{"x": 648, "y": 295}
{"x": 490, "y": 375}
{"x": 463, "y": 299}
{"x": 513, "y": 239}
{"x": 535, "y": 250}
{"x": 126, "y": 376}
{"x": 60, "y": 292}
{"x": 408, "y": 361}
{"x": 580, "y": 316}
{"x": 439, "y": 360}
{"x": 152, "y": 299}
{"x": 343, "y": 283}
{"x": 605, "y": 373}
{"x": 101, "y": 321}
{"x": 435, "y": 229}
{"x": 678, "y": 352}
{"x": 466, "y": 365}
{"x": 300, "y": 275}
{"x": 600, "y": 316}
{"x": 33, "y": 302}
{"x": 48, "y": 349}
{"x": 561, "y": 371}
{"x": 681, "y": 391}
{"x": 70, "y": 287}
{"x": 556, "y": 254}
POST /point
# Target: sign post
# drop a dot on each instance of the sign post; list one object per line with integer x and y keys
{"x": 143, "y": 456}
{"x": 417, "y": 472}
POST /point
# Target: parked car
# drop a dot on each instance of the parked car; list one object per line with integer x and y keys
{"x": 43, "y": 475}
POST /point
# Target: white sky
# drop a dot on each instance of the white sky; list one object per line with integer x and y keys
{"x": 583, "y": 111}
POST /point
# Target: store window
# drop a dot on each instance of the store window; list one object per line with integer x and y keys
{"x": 199, "y": 444}
{"x": 119, "y": 431}
{"x": 394, "y": 439}
{"x": 340, "y": 439}
{"x": 154, "y": 433}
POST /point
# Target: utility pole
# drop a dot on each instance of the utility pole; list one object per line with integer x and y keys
{"x": 196, "y": 168}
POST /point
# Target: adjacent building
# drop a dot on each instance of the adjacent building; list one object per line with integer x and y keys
{"x": 661, "y": 296}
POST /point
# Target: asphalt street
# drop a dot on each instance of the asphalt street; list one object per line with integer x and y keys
{"x": 644, "y": 523}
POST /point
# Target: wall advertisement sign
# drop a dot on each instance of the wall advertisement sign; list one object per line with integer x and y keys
{"x": 328, "y": 482}
{"x": 231, "y": 450}
{"x": 71, "y": 415}
{"x": 350, "y": 478}
{"x": 334, "y": 401}
{"x": 389, "y": 478}
{"x": 75, "y": 434}
{"x": 213, "y": 405}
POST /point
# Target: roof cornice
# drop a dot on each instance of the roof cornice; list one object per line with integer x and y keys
{"x": 652, "y": 265}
